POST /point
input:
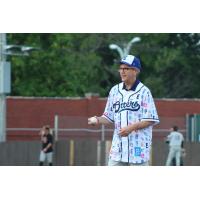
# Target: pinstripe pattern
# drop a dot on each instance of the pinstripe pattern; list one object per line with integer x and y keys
{"x": 125, "y": 107}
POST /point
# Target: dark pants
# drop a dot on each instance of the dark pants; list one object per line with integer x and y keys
{"x": 174, "y": 162}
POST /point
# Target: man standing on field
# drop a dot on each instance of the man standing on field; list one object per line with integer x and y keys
{"x": 175, "y": 140}
{"x": 47, "y": 145}
{"x": 131, "y": 108}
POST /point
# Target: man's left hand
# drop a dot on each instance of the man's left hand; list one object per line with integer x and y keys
{"x": 125, "y": 131}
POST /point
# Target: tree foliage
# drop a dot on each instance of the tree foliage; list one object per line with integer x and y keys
{"x": 73, "y": 64}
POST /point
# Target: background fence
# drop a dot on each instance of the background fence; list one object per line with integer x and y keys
{"x": 77, "y": 143}
{"x": 66, "y": 153}
{"x": 83, "y": 153}
{"x": 74, "y": 127}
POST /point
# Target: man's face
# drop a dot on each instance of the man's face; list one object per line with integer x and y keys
{"x": 127, "y": 73}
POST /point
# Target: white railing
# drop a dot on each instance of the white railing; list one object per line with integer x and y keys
{"x": 102, "y": 130}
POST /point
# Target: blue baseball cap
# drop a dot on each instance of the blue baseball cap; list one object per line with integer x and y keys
{"x": 131, "y": 61}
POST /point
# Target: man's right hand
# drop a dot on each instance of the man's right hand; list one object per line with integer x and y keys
{"x": 93, "y": 120}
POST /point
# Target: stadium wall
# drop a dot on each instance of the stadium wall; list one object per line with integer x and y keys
{"x": 34, "y": 112}
{"x": 83, "y": 153}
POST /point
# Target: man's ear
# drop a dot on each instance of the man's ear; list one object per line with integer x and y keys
{"x": 137, "y": 72}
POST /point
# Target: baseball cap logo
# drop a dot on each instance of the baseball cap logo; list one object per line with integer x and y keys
{"x": 131, "y": 61}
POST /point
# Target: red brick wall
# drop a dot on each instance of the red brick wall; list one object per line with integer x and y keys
{"x": 173, "y": 112}
{"x": 35, "y": 112}
{"x": 177, "y": 107}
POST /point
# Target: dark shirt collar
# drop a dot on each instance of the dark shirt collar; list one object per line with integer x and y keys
{"x": 134, "y": 86}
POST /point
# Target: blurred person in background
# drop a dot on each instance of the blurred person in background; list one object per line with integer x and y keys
{"x": 176, "y": 151}
{"x": 46, "y": 152}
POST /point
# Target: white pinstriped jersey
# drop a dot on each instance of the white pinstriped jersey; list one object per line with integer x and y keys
{"x": 125, "y": 107}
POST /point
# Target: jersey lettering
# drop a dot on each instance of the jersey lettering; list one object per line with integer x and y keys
{"x": 130, "y": 105}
